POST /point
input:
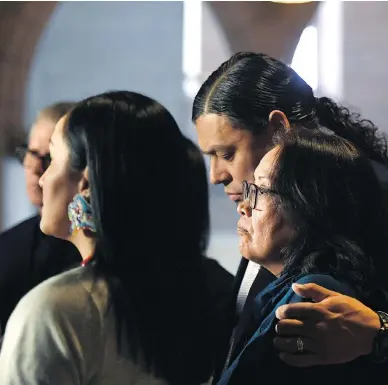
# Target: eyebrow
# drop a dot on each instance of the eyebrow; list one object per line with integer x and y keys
{"x": 261, "y": 177}
{"x": 216, "y": 148}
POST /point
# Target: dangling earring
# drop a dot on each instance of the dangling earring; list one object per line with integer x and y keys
{"x": 80, "y": 214}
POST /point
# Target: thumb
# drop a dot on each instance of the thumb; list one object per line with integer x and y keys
{"x": 313, "y": 291}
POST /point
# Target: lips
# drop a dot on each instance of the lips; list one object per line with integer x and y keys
{"x": 234, "y": 197}
{"x": 241, "y": 230}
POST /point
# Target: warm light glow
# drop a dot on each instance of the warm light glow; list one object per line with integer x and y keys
{"x": 305, "y": 60}
{"x": 331, "y": 49}
{"x": 192, "y": 46}
{"x": 291, "y": 1}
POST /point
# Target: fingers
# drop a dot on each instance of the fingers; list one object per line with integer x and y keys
{"x": 292, "y": 327}
{"x": 300, "y": 360}
{"x": 313, "y": 291}
{"x": 290, "y": 345}
{"x": 311, "y": 312}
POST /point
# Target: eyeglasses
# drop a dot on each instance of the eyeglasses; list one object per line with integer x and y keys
{"x": 251, "y": 192}
{"x": 21, "y": 153}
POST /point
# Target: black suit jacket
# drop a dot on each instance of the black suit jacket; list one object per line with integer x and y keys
{"x": 239, "y": 326}
{"x": 28, "y": 257}
{"x": 221, "y": 288}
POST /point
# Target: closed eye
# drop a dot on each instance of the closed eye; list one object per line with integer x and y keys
{"x": 228, "y": 156}
{"x": 265, "y": 190}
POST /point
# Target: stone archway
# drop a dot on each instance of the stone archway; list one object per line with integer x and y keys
{"x": 264, "y": 26}
{"x": 21, "y": 25}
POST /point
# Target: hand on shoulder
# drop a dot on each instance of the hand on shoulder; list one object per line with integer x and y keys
{"x": 335, "y": 328}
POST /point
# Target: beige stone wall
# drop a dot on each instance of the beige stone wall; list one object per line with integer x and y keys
{"x": 267, "y": 27}
{"x": 21, "y": 24}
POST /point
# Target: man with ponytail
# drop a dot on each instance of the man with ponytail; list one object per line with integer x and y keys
{"x": 237, "y": 111}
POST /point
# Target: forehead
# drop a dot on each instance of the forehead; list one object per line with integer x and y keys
{"x": 57, "y": 136}
{"x": 264, "y": 168}
{"x": 41, "y": 133}
{"x": 214, "y": 132}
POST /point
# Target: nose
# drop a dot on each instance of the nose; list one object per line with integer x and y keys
{"x": 41, "y": 180}
{"x": 243, "y": 208}
{"x": 33, "y": 165}
{"x": 217, "y": 173}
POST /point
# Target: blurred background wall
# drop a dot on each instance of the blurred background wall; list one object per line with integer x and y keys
{"x": 51, "y": 51}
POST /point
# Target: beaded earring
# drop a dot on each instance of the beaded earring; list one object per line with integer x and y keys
{"x": 80, "y": 214}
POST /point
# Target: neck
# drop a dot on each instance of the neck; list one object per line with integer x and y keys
{"x": 275, "y": 268}
{"x": 85, "y": 244}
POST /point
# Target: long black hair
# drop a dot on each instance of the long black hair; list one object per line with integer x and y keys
{"x": 151, "y": 234}
{"x": 248, "y": 86}
{"x": 199, "y": 189}
{"x": 330, "y": 194}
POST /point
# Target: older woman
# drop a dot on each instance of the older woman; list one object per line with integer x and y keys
{"x": 120, "y": 188}
{"x": 314, "y": 214}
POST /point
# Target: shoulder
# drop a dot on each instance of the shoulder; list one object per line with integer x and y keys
{"x": 27, "y": 226}
{"x": 23, "y": 226}
{"x": 69, "y": 295}
{"x": 59, "y": 324}
{"x": 15, "y": 250}
{"x": 381, "y": 172}
{"x": 327, "y": 281}
{"x": 215, "y": 271}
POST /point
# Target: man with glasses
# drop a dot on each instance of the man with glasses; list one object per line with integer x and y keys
{"x": 27, "y": 256}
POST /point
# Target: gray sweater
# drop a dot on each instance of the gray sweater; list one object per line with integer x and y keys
{"x": 60, "y": 334}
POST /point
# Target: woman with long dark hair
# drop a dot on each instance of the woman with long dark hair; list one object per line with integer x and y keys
{"x": 314, "y": 214}
{"x": 121, "y": 188}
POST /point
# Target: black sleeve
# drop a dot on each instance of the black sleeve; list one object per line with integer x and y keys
{"x": 220, "y": 284}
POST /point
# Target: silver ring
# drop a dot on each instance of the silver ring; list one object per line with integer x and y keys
{"x": 299, "y": 345}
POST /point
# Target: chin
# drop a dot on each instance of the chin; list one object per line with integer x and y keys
{"x": 45, "y": 228}
{"x": 259, "y": 261}
{"x": 35, "y": 196}
{"x": 36, "y": 201}
{"x": 244, "y": 244}
{"x": 250, "y": 257}
{"x": 54, "y": 231}
{"x": 247, "y": 253}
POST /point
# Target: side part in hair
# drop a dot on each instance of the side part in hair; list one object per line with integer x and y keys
{"x": 249, "y": 86}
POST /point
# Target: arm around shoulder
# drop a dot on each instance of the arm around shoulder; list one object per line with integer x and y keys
{"x": 340, "y": 328}
{"x": 326, "y": 281}
{"x": 254, "y": 365}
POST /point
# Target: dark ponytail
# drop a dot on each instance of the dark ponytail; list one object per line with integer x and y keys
{"x": 248, "y": 86}
{"x": 348, "y": 125}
